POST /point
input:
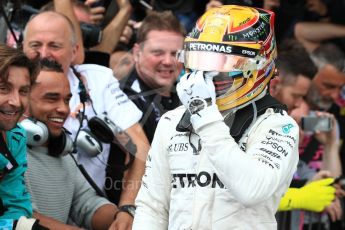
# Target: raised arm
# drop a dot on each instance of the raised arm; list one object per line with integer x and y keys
{"x": 311, "y": 34}
{"x": 132, "y": 177}
{"x": 113, "y": 31}
{"x": 65, "y": 7}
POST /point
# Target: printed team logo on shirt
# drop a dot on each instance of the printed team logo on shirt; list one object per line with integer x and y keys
{"x": 280, "y": 140}
{"x": 178, "y": 147}
{"x": 121, "y": 97}
{"x": 274, "y": 133}
{"x": 287, "y": 128}
{"x": 178, "y": 143}
{"x": 276, "y": 146}
{"x": 202, "y": 179}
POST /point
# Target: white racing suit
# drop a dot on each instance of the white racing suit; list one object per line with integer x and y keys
{"x": 208, "y": 181}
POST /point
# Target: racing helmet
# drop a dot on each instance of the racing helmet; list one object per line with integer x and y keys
{"x": 238, "y": 42}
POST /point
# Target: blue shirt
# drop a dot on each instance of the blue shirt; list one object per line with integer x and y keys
{"x": 13, "y": 193}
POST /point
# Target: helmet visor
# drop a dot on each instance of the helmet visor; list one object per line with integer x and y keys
{"x": 209, "y": 56}
{"x": 212, "y": 61}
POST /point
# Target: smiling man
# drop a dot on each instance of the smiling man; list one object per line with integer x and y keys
{"x": 151, "y": 83}
{"x": 17, "y": 74}
{"x": 325, "y": 92}
{"x": 58, "y": 189}
{"x": 330, "y": 78}
{"x": 52, "y": 36}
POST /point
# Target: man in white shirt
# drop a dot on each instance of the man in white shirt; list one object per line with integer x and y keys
{"x": 51, "y": 35}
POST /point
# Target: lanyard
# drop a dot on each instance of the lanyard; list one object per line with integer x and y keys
{"x": 7, "y": 154}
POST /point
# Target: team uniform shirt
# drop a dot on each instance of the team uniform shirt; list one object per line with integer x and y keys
{"x": 13, "y": 194}
{"x": 148, "y": 101}
{"x": 106, "y": 96}
{"x": 59, "y": 190}
{"x": 205, "y": 180}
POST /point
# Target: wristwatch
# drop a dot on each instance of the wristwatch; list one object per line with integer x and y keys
{"x": 129, "y": 208}
{"x": 196, "y": 104}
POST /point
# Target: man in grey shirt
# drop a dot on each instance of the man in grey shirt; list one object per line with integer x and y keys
{"x": 58, "y": 189}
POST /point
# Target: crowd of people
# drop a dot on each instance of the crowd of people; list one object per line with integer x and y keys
{"x": 121, "y": 114}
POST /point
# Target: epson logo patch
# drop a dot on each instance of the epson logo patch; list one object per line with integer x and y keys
{"x": 248, "y": 52}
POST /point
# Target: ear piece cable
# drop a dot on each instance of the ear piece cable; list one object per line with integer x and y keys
{"x": 87, "y": 177}
{"x": 129, "y": 146}
{"x": 195, "y": 150}
{"x": 83, "y": 94}
{"x": 84, "y": 97}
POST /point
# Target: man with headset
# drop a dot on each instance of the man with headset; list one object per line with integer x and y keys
{"x": 94, "y": 91}
{"x": 59, "y": 191}
{"x": 225, "y": 158}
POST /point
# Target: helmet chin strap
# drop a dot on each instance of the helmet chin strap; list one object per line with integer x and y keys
{"x": 255, "y": 111}
{"x": 228, "y": 112}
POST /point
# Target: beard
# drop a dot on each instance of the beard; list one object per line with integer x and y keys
{"x": 317, "y": 101}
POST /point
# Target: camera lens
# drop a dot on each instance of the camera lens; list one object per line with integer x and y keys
{"x": 92, "y": 34}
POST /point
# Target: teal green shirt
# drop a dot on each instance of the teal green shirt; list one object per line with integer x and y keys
{"x": 13, "y": 193}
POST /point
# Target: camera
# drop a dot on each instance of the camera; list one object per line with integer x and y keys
{"x": 92, "y": 34}
{"x": 312, "y": 123}
{"x": 13, "y": 18}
